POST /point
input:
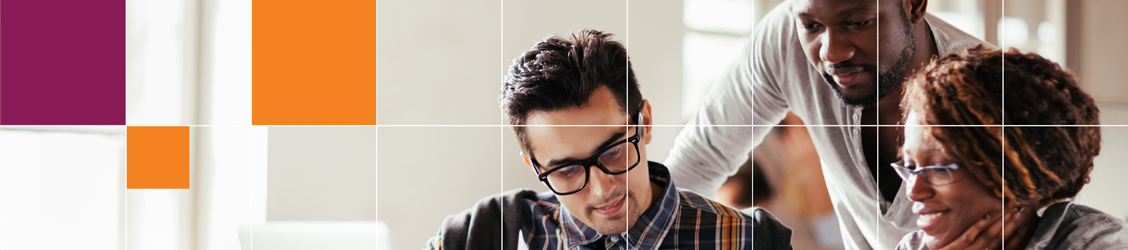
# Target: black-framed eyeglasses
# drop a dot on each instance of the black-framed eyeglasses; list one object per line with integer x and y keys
{"x": 935, "y": 175}
{"x": 616, "y": 159}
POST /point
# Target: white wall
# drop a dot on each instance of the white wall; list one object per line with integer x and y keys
{"x": 449, "y": 66}
{"x": 321, "y": 173}
{"x": 427, "y": 173}
{"x": 440, "y": 62}
{"x": 1105, "y": 190}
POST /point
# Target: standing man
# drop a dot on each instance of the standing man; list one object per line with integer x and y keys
{"x": 858, "y": 53}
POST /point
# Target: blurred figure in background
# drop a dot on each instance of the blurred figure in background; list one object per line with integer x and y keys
{"x": 783, "y": 176}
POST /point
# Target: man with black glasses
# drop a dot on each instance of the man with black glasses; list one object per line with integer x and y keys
{"x": 583, "y": 126}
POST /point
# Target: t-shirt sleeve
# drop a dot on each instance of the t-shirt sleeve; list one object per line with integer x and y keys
{"x": 717, "y": 140}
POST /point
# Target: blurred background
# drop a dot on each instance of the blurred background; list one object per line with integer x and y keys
{"x": 287, "y": 187}
{"x": 189, "y": 63}
{"x": 450, "y": 58}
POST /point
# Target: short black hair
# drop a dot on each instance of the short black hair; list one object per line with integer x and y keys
{"x": 560, "y": 73}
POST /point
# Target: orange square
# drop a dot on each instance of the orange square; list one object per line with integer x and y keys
{"x": 314, "y": 62}
{"x": 157, "y": 157}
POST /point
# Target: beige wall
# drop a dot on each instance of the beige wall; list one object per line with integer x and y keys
{"x": 1101, "y": 72}
{"x": 446, "y": 65}
{"x": 427, "y": 173}
{"x": 321, "y": 173}
{"x": 1103, "y": 51}
{"x": 1105, "y": 190}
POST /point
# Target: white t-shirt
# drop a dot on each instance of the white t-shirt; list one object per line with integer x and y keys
{"x": 771, "y": 77}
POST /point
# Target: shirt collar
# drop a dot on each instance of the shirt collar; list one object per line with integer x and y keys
{"x": 648, "y": 231}
{"x": 655, "y": 223}
{"x": 577, "y": 232}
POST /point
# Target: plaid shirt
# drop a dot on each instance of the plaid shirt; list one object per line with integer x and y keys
{"x": 681, "y": 219}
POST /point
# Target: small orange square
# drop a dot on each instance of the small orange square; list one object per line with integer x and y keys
{"x": 157, "y": 157}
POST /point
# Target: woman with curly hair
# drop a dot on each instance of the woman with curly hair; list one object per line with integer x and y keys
{"x": 964, "y": 167}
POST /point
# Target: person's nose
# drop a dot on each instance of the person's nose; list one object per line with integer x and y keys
{"x": 919, "y": 189}
{"x": 601, "y": 184}
{"x": 835, "y": 47}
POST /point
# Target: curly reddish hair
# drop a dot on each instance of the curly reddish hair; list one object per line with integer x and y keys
{"x": 987, "y": 89}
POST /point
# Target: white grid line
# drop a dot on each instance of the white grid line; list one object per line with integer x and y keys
{"x": 1003, "y": 142}
{"x": 653, "y": 125}
{"x": 501, "y": 129}
{"x": 501, "y": 182}
{"x": 877, "y": 134}
{"x": 627, "y": 129}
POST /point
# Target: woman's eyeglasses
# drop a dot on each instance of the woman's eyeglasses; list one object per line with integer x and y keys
{"x": 935, "y": 175}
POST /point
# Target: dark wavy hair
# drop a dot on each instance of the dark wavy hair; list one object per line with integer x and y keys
{"x": 986, "y": 89}
{"x": 560, "y": 73}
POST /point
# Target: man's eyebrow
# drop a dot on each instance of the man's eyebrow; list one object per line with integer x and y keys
{"x": 846, "y": 12}
{"x": 854, "y": 10}
{"x": 613, "y": 139}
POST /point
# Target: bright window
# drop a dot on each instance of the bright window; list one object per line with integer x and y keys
{"x": 159, "y": 62}
{"x": 61, "y": 189}
{"x": 716, "y": 32}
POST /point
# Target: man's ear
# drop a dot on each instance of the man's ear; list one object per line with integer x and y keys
{"x": 526, "y": 160}
{"x": 647, "y": 121}
{"x": 529, "y": 163}
{"x": 916, "y": 9}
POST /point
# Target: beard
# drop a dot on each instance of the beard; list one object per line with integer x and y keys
{"x": 616, "y": 224}
{"x": 885, "y": 81}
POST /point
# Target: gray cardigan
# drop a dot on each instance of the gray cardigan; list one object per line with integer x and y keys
{"x": 1064, "y": 225}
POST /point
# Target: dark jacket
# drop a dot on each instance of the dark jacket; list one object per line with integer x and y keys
{"x": 478, "y": 227}
{"x": 768, "y": 232}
